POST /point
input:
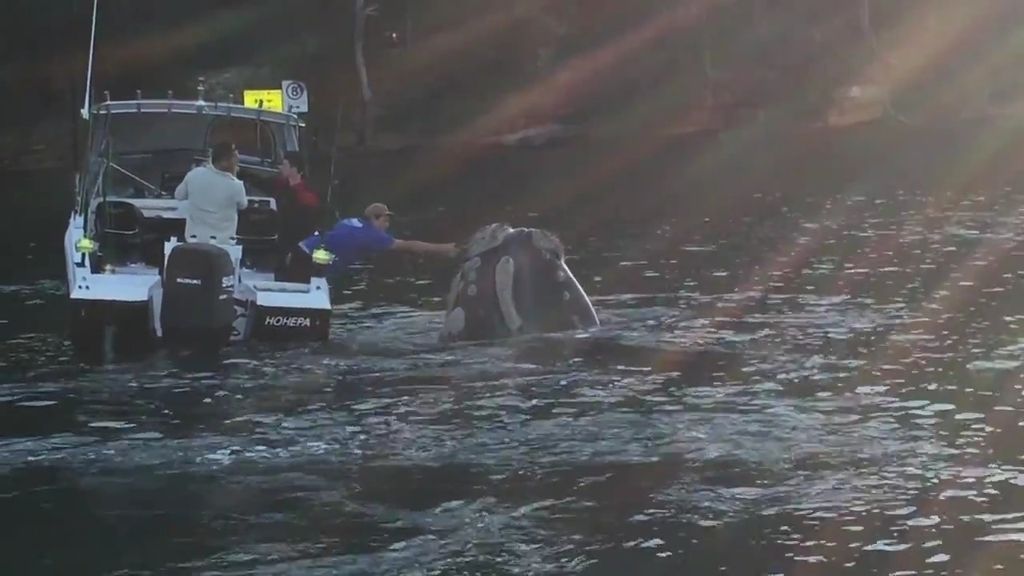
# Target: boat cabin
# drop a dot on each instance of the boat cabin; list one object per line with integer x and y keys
{"x": 140, "y": 150}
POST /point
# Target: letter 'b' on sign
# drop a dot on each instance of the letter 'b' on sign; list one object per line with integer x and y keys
{"x": 296, "y": 97}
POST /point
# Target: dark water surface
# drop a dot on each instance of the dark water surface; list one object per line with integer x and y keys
{"x": 834, "y": 388}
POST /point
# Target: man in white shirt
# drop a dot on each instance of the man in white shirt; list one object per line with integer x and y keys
{"x": 214, "y": 197}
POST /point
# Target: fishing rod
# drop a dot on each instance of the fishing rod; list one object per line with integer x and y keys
{"x": 334, "y": 158}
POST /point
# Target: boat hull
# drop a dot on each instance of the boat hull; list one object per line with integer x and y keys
{"x": 128, "y": 303}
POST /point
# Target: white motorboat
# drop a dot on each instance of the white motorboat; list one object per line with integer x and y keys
{"x": 130, "y": 271}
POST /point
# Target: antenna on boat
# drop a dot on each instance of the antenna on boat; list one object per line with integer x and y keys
{"x": 92, "y": 50}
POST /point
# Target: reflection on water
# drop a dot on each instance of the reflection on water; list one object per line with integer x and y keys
{"x": 840, "y": 393}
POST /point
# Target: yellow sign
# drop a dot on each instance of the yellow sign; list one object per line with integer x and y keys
{"x": 266, "y": 99}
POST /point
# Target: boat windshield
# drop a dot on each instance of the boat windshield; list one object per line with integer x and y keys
{"x": 157, "y": 175}
{"x": 146, "y": 155}
{"x": 141, "y": 175}
{"x": 258, "y": 142}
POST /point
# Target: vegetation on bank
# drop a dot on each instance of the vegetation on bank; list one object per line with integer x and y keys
{"x": 484, "y": 69}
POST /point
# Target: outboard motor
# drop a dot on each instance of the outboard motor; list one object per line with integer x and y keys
{"x": 198, "y": 288}
{"x": 514, "y": 281}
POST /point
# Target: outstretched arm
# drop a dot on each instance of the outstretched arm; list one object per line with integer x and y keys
{"x": 417, "y": 247}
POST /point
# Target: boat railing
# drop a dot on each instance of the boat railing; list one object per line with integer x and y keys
{"x": 196, "y": 107}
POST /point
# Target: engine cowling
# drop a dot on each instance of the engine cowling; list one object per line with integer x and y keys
{"x": 198, "y": 290}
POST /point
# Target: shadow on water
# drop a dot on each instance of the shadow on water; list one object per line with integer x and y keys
{"x": 91, "y": 519}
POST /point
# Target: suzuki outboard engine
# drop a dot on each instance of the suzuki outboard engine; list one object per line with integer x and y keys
{"x": 197, "y": 308}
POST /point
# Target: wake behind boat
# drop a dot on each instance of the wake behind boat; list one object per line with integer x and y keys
{"x": 130, "y": 271}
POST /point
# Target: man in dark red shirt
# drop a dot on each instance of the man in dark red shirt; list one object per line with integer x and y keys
{"x": 299, "y": 206}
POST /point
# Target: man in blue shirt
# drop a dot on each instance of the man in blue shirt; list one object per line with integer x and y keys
{"x": 354, "y": 239}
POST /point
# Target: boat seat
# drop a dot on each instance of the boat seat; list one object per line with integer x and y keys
{"x": 119, "y": 218}
{"x": 257, "y": 234}
{"x": 257, "y": 224}
{"x": 119, "y": 230}
{"x": 124, "y": 234}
